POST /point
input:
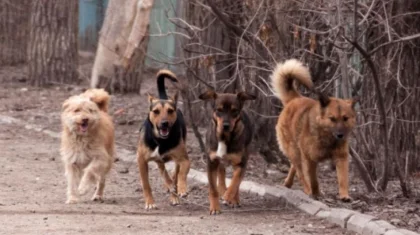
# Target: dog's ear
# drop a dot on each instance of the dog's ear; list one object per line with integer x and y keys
{"x": 175, "y": 98}
{"x": 66, "y": 104}
{"x": 354, "y": 101}
{"x": 324, "y": 100}
{"x": 150, "y": 98}
{"x": 243, "y": 96}
{"x": 208, "y": 95}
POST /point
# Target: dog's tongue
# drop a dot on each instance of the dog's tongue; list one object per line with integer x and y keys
{"x": 84, "y": 127}
{"x": 164, "y": 132}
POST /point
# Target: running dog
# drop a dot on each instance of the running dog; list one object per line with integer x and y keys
{"x": 162, "y": 138}
{"x": 87, "y": 143}
{"x": 228, "y": 138}
{"x": 310, "y": 131}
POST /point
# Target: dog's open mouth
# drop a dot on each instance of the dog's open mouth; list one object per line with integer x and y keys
{"x": 164, "y": 132}
{"x": 84, "y": 126}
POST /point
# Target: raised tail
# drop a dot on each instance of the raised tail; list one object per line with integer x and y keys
{"x": 98, "y": 96}
{"x": 283, "y": 77}
{"x": 161, "y": 75}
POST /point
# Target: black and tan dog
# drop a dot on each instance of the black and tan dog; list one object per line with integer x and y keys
{"x": 162, "y": 138}
{"x": 228, "y": 139}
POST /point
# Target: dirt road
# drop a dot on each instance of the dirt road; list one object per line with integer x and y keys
{"x": 32, "y": 199}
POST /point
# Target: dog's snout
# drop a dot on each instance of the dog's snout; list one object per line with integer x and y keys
{"x": 164, "y": 124}
{"x": 339, "y": 135}
{"x": 226, "y": 126}
{"x": 85, "y": 120}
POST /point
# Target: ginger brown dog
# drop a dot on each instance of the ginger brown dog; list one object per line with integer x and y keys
{"x": 310, "y": 131}
{"x": 228, "y": 138}
{"x": 162, "y": 138}
{"x": 87, "y": 143}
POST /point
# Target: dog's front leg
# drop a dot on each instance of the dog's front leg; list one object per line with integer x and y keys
{"x": 231, "y": 196}
{"x": 342, "y": 165}
{"x": 212, "y": 167}
{"x": 184, "y": 168}
{"x": 149, "y": 203}
{"x": 221, "y": 177}
{"x": 73, "y": 174}
{"x": 169, "y": 184}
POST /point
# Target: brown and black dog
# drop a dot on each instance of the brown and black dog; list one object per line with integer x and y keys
{"x": 228, "y": 138}
{"x": 162, "y": 138}
{"x": 310, "y": 131}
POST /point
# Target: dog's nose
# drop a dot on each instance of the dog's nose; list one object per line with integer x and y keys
{"x": 85, "y": 120}
{"x": 339, "y": 135}
{"x": 164, "y": 124}
{"x": 226, "y": 126}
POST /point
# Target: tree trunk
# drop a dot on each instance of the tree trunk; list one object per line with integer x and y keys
{"x": 52, "y": 53}
{"x": 122, "y": 46}
{"x": 14, "y": 20}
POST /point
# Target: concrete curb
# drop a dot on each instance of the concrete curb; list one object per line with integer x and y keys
{"x": 348, "y": 219}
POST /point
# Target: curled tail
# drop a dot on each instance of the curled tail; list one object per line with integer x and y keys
{"x": 98, "y": 96}
{"x": 283, "y": 77}
{"x": 161, "y": 75}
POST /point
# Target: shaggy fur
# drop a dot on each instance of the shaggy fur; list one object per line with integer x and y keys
{"x": 162, "y": 138}
{"x": 228, "y": 138}
{"x": 87, "y": 143}
{"x": 310, "y": 131}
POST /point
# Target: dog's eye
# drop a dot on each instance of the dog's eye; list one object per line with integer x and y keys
{"x": 345, "y": 118}
{"x": 219, "y": 111}
{"x": 235, "y": 112}
{"x": 156, "y": 111}
{"x": 333, "y": 119}
{"x": 170, "y": 111}
{"x": 77, "y": 110}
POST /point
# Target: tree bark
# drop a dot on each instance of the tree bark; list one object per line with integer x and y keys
{"x": 14, "y": 20}
{"x": 52, "y": 50}
{"x": 122, "y": 47}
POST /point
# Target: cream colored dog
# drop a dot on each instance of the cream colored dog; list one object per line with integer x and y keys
{"x": 87, "y": 143}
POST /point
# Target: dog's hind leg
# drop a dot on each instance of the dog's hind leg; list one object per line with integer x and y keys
{"x": 94, "y": 172}
{"x": 167, "y": 181}
{"x": 301, "y": 175}
{"x": 311, "y": 168}
{"x": 169, "y": 184}
{"x": 99, "y": 192}
{"x": 288, "y": 182}
{"x": 73, "y": 174}
{"x": 221, "y": 177}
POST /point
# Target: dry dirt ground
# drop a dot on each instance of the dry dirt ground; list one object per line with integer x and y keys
{"x": 33, "y": 186}
{"x": 42, "y": 107}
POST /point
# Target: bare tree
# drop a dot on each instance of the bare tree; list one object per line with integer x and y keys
{"x": 121, "y": 52}
{"x": 52, "y": 50}
{"x": 234, "y": 45}
{"x": 14, "y": 21}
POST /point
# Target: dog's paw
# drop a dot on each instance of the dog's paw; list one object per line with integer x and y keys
{"x": 215, "y": 210}
{"x": 83, "y": 189}
{"x": 346, "y": 198}
{"x": 316, "y": 197}
{"x": 97, "y": 198}
{"x": 182, "y": 191}
{"x": 231, "y": 203}
{"x": 150, "y": 206}
{"x": 174, "y": 200}
{"x": 72, "y": 200}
